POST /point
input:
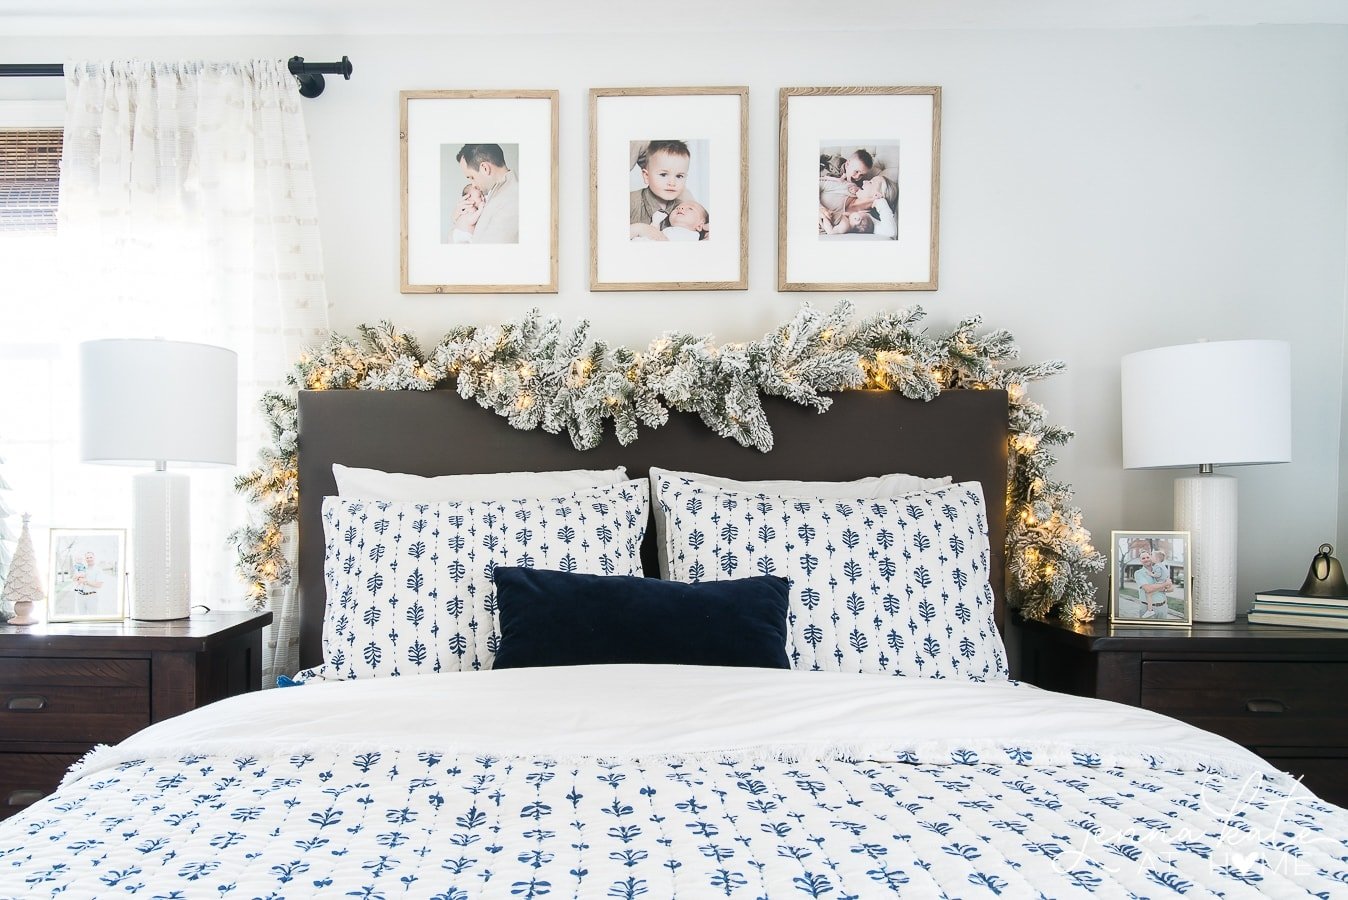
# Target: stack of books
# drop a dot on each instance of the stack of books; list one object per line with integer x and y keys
{"x": 1288, "y": 607}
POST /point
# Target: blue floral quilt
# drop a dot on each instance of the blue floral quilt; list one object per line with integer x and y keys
{"x": 213, "y": 807}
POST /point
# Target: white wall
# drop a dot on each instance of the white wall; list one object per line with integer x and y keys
{"x": 1102, "y": 192}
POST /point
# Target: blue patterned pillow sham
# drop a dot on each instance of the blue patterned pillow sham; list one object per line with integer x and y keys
{"x": 886, "y": 585}
{"x": 895, "y": 484}
{"x": 565, "y": 619}
{"x": 410, "y": 588}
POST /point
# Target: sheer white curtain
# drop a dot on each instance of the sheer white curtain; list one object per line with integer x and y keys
{"x": 187, "y": 211}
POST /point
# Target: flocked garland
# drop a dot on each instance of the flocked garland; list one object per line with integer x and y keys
{"x": 539, "y": 376}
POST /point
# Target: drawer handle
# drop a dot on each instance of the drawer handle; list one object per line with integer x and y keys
{"x": 26, "y": 704}
{"x": 24, "y": 797}
{"x": 1266, "y": 706}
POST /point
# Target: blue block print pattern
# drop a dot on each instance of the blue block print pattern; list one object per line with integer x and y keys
{"x": 410, "y": 586}
{"x": 381, "y": 824}
{"x": 890, "y": 586}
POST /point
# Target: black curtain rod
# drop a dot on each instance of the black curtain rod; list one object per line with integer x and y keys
{"x": 308, "y": 75}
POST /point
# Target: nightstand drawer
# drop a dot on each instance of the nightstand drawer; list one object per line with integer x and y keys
{"x": 25, "y": 778}
{"x": 74, "y": 700}
{"x": 1265, "y": 704}
{"x": 1327, "y": 776}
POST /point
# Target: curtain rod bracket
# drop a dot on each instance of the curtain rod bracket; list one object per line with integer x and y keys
{"x": 309, "y": 76}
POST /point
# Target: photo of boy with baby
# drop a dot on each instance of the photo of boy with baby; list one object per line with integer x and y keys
{"x": 665, "y": 177}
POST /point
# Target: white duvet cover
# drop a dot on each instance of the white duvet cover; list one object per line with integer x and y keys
{"x": 663, "y": 782}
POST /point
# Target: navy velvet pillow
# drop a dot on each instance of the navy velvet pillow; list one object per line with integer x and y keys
{"x": 562, "y": 619}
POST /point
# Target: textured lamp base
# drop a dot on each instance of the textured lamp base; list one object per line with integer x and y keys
{"x": 162, "y": 573}
{"x": 1205, "y": 506}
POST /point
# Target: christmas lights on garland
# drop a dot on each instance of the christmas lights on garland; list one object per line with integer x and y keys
{"x": 539, "y": 375}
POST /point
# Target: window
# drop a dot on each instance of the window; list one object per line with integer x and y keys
{"x": 30, "y": 174}
{"x": 38, "y": 390}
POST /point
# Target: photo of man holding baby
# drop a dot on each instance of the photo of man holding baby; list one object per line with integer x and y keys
{"x": 665, "y": 178}
{"x": 480, "y": 191}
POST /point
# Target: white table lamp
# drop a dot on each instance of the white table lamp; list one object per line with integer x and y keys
{"x": 1225, "y": 403}
{"x": 152, "y": 402}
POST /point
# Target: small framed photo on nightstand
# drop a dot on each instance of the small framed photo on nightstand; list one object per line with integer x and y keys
{"x": 88, "y": 575}
{"x": 1150, "y": 581}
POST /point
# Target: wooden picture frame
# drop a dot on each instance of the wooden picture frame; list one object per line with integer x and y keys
{"x": 1151, "y": 578}
{"x": 87, "y": 572}
{"x": 686, "y": 226}
{"x": 479, "y": 191}
{"x": 840, "y": 228}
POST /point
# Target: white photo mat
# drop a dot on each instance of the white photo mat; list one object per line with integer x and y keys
{"x": 433, "y": 120}
{"x": 621, "y": 116}
{"x": 815, "y": 117}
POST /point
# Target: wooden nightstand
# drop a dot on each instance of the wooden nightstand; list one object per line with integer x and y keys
{"x": 66, "y": 687}
{"x": 1281, "y": 692}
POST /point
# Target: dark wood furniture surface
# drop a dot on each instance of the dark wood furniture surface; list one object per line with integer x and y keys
{"x": 961, "y": 433}
{"x": 66, "y": 687}
{"x": 1281, "y": 692}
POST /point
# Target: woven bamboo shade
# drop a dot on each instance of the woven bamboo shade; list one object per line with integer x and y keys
{"x": 30, "y": 174}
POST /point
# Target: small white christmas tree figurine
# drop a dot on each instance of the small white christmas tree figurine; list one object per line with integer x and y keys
{"x": 22, "y": 587}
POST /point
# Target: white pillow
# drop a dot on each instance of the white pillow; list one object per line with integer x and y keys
{"x": 894, "y": 485}
{"x": 410, "y": 586}
{"x": 372, "y": 484}
{"x": 886, "y": 585}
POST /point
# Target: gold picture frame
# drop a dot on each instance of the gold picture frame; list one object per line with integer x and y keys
{"x": 858, "y": 188}
{"x": 694, "y": 234}
{"x": 87, "y": 574}
{"x": 1151, "y": 578}
{"x": 479, "y": 191}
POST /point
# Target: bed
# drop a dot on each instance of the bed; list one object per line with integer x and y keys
{"x": 655, "y": 780}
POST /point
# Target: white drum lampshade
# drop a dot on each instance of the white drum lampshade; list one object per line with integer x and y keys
{"x": 1224, "y": 403}
{"x": 155, "y": 402}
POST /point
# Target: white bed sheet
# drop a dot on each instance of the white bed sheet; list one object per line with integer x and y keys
{"x": 635, "y": 711}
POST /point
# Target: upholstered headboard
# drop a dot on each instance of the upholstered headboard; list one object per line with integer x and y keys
{"x": 961, "y": 433}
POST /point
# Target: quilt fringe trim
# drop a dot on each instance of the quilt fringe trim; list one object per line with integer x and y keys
{"x": 1030, "y": 754}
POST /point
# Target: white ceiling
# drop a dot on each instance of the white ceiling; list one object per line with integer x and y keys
{"x": 149, "y": 17}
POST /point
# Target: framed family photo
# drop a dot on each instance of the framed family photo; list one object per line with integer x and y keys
{"x": 479, "y": 191}
{"x": 1151, "y": 580}
{"x": 858, "y": 188}
{"x": 88, "y": 575}
{"x": 669, "y": 189}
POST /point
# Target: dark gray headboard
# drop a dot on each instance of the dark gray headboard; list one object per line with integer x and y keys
{"x": 961, "y": 433}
